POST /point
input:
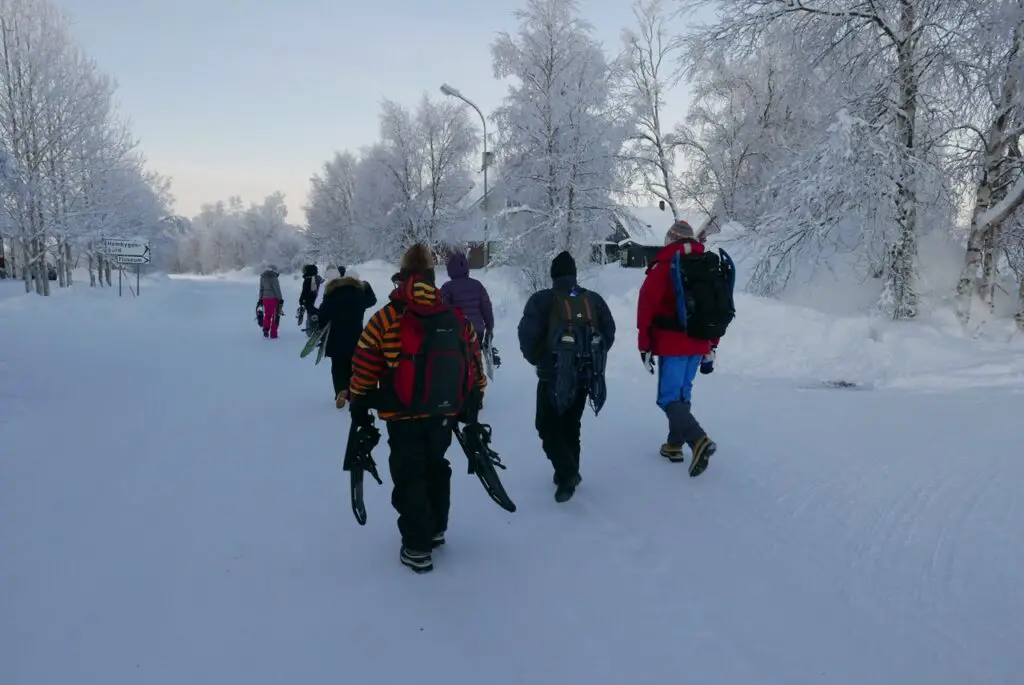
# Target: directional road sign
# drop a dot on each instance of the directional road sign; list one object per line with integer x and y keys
{"x": 127, "y": 251}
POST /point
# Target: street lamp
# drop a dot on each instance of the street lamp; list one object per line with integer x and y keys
{"x": 454, "y": 93}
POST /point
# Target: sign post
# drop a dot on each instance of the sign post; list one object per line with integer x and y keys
{"x": 127, "y": 252}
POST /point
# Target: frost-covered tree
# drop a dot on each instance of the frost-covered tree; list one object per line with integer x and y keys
{"x": 881, "y": 61}
{"x": 406, "y": 188}
{"x": 651, "y": 65}
{"x": 331, "y": 209}
{"x": 990, "y": 42}
{"x": 229, "y": 236}
{"x": 77, "y": 167}
{"x": 560, "y": 135}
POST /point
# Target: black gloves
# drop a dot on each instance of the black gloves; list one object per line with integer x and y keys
{"x": 360, "y": 414}
{"x": 648, "y": 361}
{"x": 471, "y": 411}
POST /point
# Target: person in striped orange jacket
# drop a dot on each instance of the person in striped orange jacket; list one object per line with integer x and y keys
{"x": 390, "y": 374}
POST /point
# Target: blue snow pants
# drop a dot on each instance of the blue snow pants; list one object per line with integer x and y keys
{"x": 675, "y": 389}
{"x": 675, "y": 379}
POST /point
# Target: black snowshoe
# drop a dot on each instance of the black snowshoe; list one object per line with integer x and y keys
{"x": 358, "y": 460}
{"x": 475, "y": 440}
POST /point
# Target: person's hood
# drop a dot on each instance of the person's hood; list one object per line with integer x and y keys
{"x": 270, "y": 271}
{"x": 416, "y": 289}
{"x": 343, "y": 282}
{"x": 458, "y": 266}
{"x": 686, "y": 246}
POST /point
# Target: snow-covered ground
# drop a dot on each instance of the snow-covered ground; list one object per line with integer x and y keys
{"x": 173, "y": 510}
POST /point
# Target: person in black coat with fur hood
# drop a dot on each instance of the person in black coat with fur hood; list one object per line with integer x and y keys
{"x": 344, "y": 306}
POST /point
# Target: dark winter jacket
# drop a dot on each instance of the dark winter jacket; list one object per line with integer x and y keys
{"x": 533, "y": 327}
{"x": 469, "y": 295}
{"x": 344, "y": 306}
{"x": 311, "y": 281}
{"x": 270, "y": 286}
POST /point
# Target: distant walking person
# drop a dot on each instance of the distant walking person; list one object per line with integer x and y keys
{"x": 566, "y": 332}
{"x": 344, "y": 306}
{"x": 311, "y": 281}
{"x": 273, "y": 302}
{"x": 333, "y": 272}
{"x": 684, "y": 308}
{"x": 470, "y": 295}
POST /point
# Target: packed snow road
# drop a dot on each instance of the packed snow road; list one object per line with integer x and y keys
{"x": 172, "y": 510}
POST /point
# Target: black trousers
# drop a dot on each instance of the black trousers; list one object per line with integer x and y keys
{"x": 422, "y": 478}
{"x": 560, "y": 434}
{"x": 341, "y": 373}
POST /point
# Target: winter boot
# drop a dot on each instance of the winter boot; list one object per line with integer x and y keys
{"x": 567, "y": 489}
{"x": 438, "y": 540}
{"x": 341, "y": 399}
{"x": 420, "y": 562}
{"x": 673, "y": 453}
{"x": 702, "y": 452}
{"x": 266, "y": 332}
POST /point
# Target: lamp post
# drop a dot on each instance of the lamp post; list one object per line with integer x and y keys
{"x": 454, "y": 92}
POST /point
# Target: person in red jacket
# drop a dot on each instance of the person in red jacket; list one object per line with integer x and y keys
{"x": 679, "y": 355}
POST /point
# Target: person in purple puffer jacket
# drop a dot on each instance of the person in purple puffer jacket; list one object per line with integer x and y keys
{"x": 470, "y": 295}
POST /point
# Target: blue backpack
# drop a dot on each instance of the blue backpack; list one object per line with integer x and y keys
{"x": 704, "y": 285}
{"x": 579, "y": 351}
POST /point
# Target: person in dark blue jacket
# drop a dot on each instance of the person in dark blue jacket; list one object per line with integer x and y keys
{"x": 560, "y": 430}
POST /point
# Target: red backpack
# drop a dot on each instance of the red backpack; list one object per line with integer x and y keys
{"x": 436, "y": 369}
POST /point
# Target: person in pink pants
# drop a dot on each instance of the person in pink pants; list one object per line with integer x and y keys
{"x": 273, "y": 302}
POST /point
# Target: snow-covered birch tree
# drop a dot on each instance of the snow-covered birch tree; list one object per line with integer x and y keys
{"x": 560, "y": 135}
{"x": 992, "y": 48}
{"x": 651, "y": 65}
{"x": 77, "y": 165}
{"x": 881, "y": 58}
{"x": 330, "y": 209}
{"x": 405, "y": 188}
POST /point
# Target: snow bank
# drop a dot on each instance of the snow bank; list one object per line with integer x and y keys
{"x": 770, "y": 339}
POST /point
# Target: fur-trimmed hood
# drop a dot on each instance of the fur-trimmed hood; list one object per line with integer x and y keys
{"x": 343, "y": 282}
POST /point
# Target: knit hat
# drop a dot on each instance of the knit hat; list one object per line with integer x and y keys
{"x": 331, "y": 273}
{"x": 680, "y": 231}
{"x": 563, "y": 265}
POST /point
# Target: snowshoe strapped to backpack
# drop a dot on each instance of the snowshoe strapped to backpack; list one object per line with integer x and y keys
{"x": 579, "y": 351}
{"x": 703, "y": 285}
{"x": 437, "y": 370}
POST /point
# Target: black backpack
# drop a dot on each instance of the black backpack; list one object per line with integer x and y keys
{"x": 704, "y": 286}
{"x": 579, "y": 352}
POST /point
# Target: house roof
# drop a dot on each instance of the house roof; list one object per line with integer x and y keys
{"x": 648, "y": 225}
